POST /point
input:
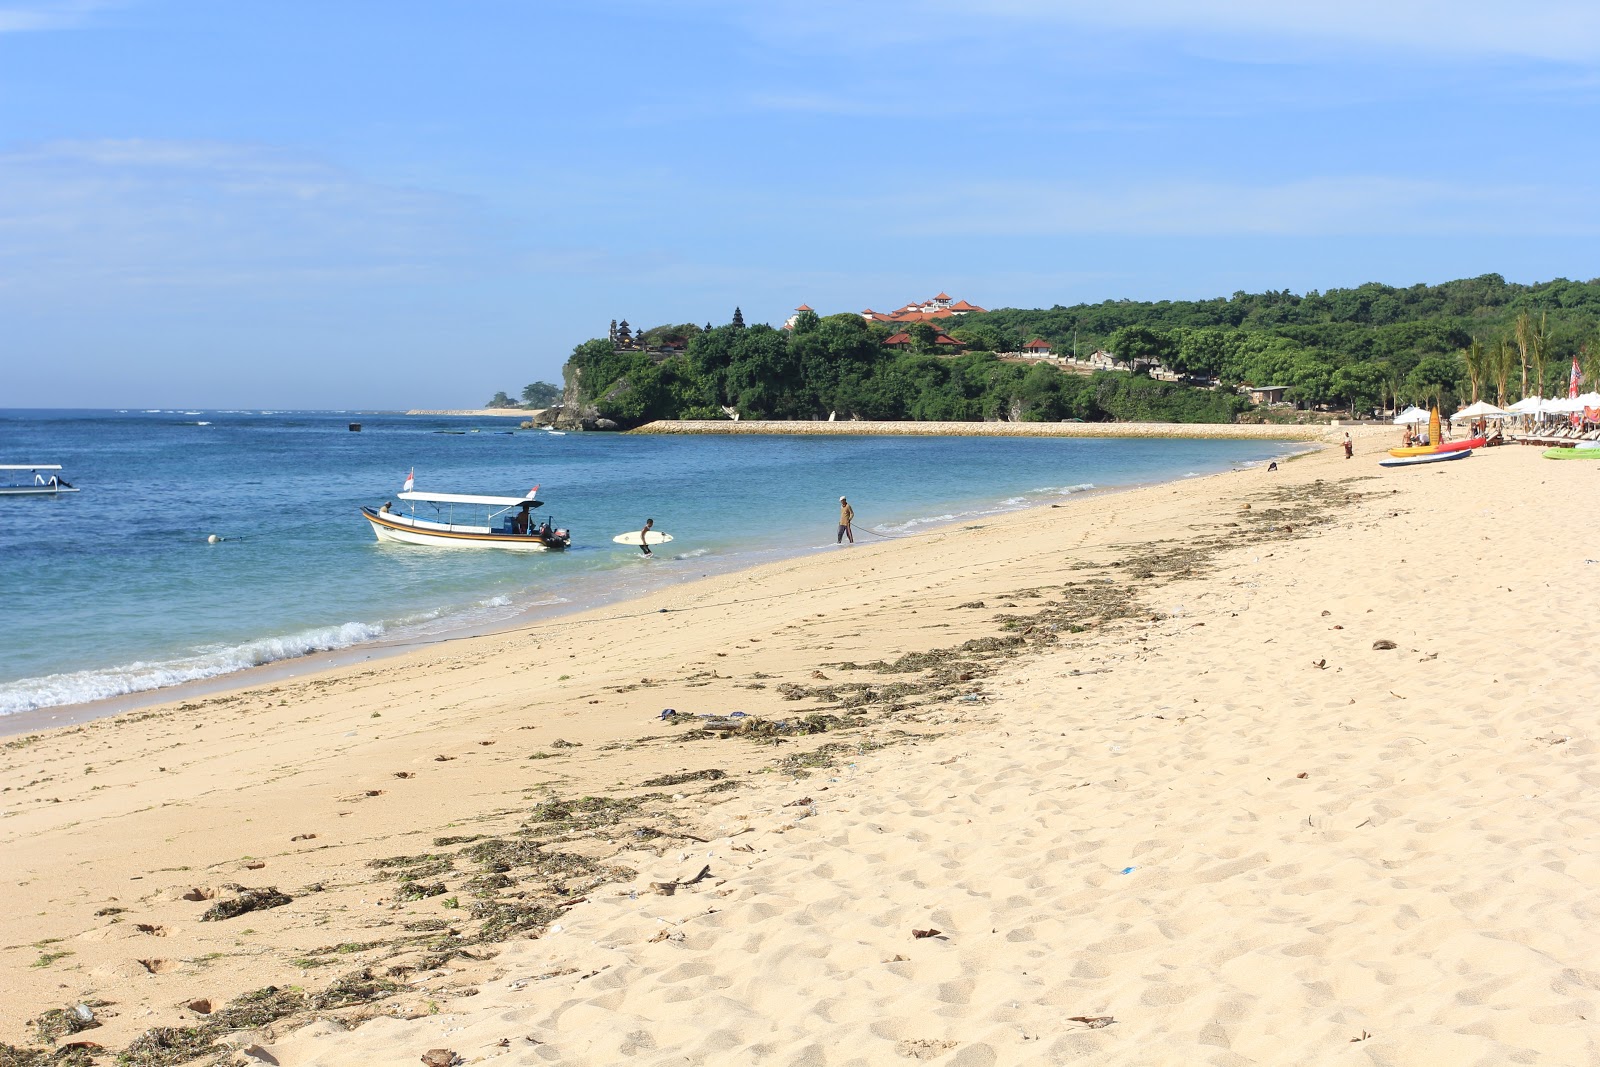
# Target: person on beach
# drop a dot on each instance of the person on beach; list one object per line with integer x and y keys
{"x": 644, "y": 537}
{"x": 1349, "y": 447}
{"x": 847, "y": 518}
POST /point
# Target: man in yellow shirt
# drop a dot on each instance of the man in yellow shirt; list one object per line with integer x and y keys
{"x": 847, "y": 516}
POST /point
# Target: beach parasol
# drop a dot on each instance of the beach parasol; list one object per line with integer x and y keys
{"x": 1411, "y": 416}
{"x": 1528, "y": 405}
{"x": 1481, "y": 410}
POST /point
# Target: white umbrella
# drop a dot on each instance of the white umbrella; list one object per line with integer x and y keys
{"x": 1481, "y": 410}
{"x": 1528, "y": 405}
{"x": 1562, "y": 406}
{"x": 1411, "y": 416}
{"x": 1590, "y": 400}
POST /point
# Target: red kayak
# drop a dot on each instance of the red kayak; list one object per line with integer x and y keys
{"x": 1448, "y": 446}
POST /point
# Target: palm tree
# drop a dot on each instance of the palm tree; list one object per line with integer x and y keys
{"x": 1500, "y": 368}
{"x": 1524, "y": 335}
{"x": 1477, "y": 366}
{"x": 1541, "y": 344}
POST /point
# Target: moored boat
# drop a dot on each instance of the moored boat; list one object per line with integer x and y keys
{"x": 462, "y": 520}
{"x": 1448, "y": 446}
{"x": 43, "y": 480}
{"x": 1426, "y": 457}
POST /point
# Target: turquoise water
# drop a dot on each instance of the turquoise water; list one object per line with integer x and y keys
{"x": 115, "y": 590}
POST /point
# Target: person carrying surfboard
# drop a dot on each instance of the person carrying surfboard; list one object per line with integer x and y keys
{"x": 644, "y": 537}
{"x": 847, "y": 516}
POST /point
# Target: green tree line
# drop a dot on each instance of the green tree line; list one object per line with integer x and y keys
{"x": 1372, "y": 346}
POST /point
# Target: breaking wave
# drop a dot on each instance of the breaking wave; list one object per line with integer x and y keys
{"x": 79, "y": 687}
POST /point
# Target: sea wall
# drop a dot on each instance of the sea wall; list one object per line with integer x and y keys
{"x": 1009, "y": 429}
{"x": 499, "y": 413}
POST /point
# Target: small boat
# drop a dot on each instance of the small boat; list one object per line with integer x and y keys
{"x": 1426, "y": 457}
{"x": 484, "y": 522}
{"x": 41, "y": 484}
{"x": 1572, "y": 453}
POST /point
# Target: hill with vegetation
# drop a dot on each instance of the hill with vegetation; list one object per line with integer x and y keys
{"x": 1358, "y": 349}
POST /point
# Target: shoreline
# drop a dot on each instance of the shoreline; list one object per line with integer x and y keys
{"x": 495, "y": 413}
{"x": 64, "y": 715}
{"x": 1177, "y": 430}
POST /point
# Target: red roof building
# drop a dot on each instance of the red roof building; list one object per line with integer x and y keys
{"x": 940, "y": 307}
{"x": 902, "y": 340}
{"x": 1036, "y": 347}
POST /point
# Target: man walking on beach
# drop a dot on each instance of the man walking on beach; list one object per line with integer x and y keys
{"x": 847, "y": 516}
{"x": 1349, "y": 447}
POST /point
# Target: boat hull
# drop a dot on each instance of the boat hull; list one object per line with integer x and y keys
{"x": 35, "y": 490}
{"x": 1430, "y": 457}
{"x": 1449, "y": 446}
{"x": 1572, "y": 453}
{"x": 400, "y": 533}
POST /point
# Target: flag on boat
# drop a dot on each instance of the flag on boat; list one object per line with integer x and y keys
{"x": 411, "y": 479}
{"x": 532, "y": 493}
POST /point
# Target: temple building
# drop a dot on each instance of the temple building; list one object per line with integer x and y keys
{"x": 940, "y": 307}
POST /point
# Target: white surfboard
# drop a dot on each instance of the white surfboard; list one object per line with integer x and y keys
{"x": 654, "y": 537}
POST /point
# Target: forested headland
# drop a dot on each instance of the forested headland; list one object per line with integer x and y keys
{"x": 1358, "y": 349}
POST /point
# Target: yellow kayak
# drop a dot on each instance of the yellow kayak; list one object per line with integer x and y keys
{"x": 1448, "y": 446}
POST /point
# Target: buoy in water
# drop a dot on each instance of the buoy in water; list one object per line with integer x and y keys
{"x": 213, "y": 539}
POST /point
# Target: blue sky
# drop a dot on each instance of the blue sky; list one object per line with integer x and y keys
{"x": 349, "y": 203}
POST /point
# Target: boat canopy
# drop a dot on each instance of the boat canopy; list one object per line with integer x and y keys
{"x": 30, "y": 466}
{"x": 486, "y": 501}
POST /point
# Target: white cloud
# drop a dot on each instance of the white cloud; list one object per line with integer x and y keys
{"x": 1560, "y": 30}
{"x": 158, "y": 212}
{"x": 63, "y": 15}
{"x": 1308, "y": 207}
{"x": 1538, "y": 29}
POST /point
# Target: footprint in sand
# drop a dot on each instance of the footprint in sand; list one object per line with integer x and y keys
{"x": 159, "y": 966}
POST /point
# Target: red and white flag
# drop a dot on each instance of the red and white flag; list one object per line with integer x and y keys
{"x": 411, "y": 479}
{"x": 532, "y": 493}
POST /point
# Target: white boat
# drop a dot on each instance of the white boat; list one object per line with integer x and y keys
{"x": 1426, "y": 457}
{"x": 41, "y": 484}
{"x": 458, "y": 520}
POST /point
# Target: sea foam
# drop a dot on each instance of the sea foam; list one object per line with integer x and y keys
{"x": 78, "y": 687}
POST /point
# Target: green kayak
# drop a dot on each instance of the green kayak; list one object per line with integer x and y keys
{"x": 1572, "y": 453}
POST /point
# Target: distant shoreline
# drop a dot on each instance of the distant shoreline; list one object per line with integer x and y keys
{"x": 497, "y": 413}
{"x": 1213, "y": 430}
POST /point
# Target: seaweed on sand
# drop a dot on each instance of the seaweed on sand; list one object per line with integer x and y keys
{"x": 71, "y": 1056}
{"x": 586, "y": 813}
{"x": 502, "y": 919}
{"x": 163, "y": 1046}
{"x": 407, "y": 891}
{"x": 57, "y": 1023}
{"x": 248, "y": 900}
{"x": 257, "y": 1008}
{"x": 710, "y": 775}
{"x": 358, "y": 987}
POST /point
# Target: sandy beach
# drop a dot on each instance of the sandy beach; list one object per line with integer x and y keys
{"x": 1258, "y": 768}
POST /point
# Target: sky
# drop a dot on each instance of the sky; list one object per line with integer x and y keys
{"x": 344, "y": 203}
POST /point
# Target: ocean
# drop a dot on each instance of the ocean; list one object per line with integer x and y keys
{"x": 116, "y": 590}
